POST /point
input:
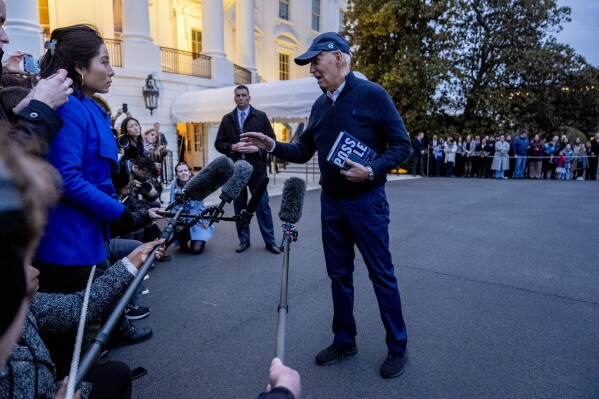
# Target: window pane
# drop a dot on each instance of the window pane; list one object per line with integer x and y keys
{"x": 316, "y": 15}
{"x": 196, "y": 41}
{"x": 284, "y": 9}
{"x": 283, "y": 66}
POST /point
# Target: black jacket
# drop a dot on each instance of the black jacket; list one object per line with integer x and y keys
{"x": 228, "y": 134}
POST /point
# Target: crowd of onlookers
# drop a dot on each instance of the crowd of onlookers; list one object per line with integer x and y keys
{"x": 518, "y": 156}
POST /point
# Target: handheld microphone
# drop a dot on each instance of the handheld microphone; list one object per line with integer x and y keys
{"x": 246, "y": 214}
{"x": 210, "y": 179}
{"x": 232, "y": 188}
{"x": 292, "y": 201}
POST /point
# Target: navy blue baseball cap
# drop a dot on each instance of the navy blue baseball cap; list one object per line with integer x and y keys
{"x": 328, "y": 41}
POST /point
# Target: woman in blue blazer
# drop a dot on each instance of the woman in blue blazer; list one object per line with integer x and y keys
{"x": 85, "y": 154}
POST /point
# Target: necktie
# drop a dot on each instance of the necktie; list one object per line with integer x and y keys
{"x": 241, "y": 120}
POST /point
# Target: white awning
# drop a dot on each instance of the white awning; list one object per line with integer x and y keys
{"x": 281, "y": 100}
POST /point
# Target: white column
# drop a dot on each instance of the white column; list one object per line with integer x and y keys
{"x": 23, "y": 27}
{"x": 139, "y": 51}
{"x": 136, "y": 21}
{"x": 213, "y": 29}
{"x": 213, "y": 40}
{"x": 244, "y": 34}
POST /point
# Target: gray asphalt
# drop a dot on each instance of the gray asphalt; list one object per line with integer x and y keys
{"x": 499, "y": 283}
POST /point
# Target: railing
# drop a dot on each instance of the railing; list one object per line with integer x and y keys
{"x": 185, "y": 63}
{"x": 114, "y": 51}
{"x": 242, "y": 76}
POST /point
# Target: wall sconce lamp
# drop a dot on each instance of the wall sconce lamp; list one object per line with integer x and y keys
{"x": 151, "y": 94}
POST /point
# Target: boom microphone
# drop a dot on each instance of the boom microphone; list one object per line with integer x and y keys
{"x": 210, "y": 179}
{"x": 232, "y": 188}
{"x": 246, "y": 214}
{"x": 292, "y": 202}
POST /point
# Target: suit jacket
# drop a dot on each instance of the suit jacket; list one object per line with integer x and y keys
{"x": 417, "y": 147}
{"x": 228, "y": 134}
{"x": 85, "y": 154}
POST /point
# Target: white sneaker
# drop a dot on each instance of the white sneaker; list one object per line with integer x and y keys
{"x": 145, "y": 292}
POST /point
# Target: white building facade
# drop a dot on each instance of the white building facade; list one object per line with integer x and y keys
{"x": 186, "y": 45}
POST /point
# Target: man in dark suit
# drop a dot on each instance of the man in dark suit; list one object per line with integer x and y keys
{"x": 418, "y": 154}
{"x": 245, "y": 118}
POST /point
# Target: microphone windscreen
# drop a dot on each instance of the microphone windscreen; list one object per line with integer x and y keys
{"x": 210, "y": 178}
{"x": 292, "y": 202}
{"x": 233, "y": 186}
{"x": 257, "y": 195}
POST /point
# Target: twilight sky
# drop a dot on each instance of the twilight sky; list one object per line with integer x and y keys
{"x": 583, "y": 32}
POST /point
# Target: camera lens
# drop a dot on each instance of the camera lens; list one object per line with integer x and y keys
{"x": 123, "y": 142}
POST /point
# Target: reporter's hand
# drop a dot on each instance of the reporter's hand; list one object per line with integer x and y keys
{"x": 154, "y": 215}
{"x": 283, "y": 376}
{"x": 54, "y": 90}
{"x": 62, "y": 391}
{"x": 141, "y": 253}
{"x": 13, "y": 63}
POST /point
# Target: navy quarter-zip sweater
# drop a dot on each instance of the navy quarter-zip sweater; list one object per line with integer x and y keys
{"x": 365, "y": 110}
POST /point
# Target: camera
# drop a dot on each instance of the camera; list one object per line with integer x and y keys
{"x": 145, "y": 187}
{"x": 123, "y": 142}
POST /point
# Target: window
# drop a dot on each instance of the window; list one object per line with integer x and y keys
{"x": 284, "y": 9}
{"x": 316, "y": 15}
{"x": 341, "y": 20}
{"x": 196, "y": 42}
{"x": 42, "y": 5}
{"x": 117, "y": 12}
{"x": 283, "y": 66}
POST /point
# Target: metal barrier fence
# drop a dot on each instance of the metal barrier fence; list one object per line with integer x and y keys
{"x": 167, "y": 173}
{"x": 548, "y": 167}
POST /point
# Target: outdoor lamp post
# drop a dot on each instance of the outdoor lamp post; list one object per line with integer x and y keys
{"x": 151, "y": 94}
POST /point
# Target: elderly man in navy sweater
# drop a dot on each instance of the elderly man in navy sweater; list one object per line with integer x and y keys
{"x": 354, "y": 208}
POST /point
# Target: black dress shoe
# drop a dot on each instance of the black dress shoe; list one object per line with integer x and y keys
{"x": 130, "y": 336}
{"x": 242, "y": 246}
{"x": 333, "y": 354}
{"x": 394, "y": 365}
{"x": 273, "y": 248}
{"x": 197, "y": 246}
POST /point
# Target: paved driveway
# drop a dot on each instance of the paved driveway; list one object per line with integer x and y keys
{"x": 499, "y": 283}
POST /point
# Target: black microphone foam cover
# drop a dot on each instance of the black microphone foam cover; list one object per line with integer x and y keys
{"x": 292, "y": 202}
{"x": 232, "y": 188}
{"x": 210, "y": 178}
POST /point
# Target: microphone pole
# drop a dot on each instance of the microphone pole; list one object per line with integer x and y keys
{"x": 289, "y": 234}
{"x": 294, "y": 191}
{"x": 101, "y": 339}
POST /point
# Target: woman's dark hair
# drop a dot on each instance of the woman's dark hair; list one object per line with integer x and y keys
{"x": 72, "y": 47}
{"x": 138, "y": 141}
